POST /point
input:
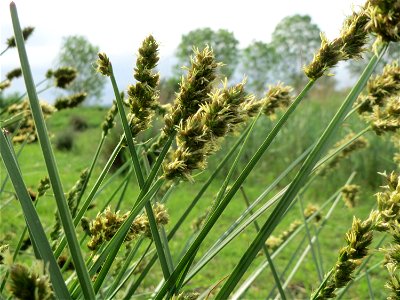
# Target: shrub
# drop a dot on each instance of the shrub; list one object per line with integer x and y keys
{"x": 64, "y": 141}
{"x": 78, "y": 123}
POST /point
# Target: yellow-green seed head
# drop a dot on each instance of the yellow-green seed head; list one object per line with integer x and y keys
{"x": 109, "y": 123}
{"x": 26, "y": 32}
{"x": 14, "y": 74}
{"x": 103, "y": 64}
{"x": 380, "y": 88}
{"x": 63, "y": 76}
{"x": 384, "y": 19}
{"x": 27, "y": 284}
{"x": 348, "y": 45}
{"x": 278, "y": 96}
{"x": 70, "y": 101}
{"x": 5, "y": 84}
{"x": 43, "y": 186}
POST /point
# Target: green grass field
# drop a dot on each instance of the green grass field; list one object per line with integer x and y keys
{"x": 306, "y": 125}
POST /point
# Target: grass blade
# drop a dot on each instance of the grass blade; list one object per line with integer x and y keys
{"x": 32, "y": 219}
{"x": 161, "y": 248}
{"x": 235, "y": 187}
{"x": 62, "y": 205}
{"x": 297, "y": 183}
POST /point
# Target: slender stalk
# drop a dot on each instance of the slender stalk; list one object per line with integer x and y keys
{"x": 224, "y": 202}
{"x": 183, "y": 217}
{"x": 91, "y": 195}
{"x": 124, "y": 267}
{"x": 36, "y": 230}
{"x": 370, "y": 289}
{"x": 265, "y": 250}
{"x": 7, "y": 176}
{"x": 114, "y": 244}
{"x": 94, "y": 160}
{"x": 297, "y": 183}
{"x": 65, "y": 215}
{"x": 317, "y": 266}
{"x": 139, "y": 176}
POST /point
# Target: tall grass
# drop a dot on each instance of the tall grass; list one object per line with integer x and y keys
{"x": 113, "y": 255}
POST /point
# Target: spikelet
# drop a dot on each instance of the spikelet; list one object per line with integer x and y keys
{"x": 386, "y": 218}
{"x": 44, "y": 185}
{"x": 69, "y": 101}
{"x": 350, "y": 194}
{"x": 194, "y": 91}
{"x": 30, "y": 284}
{"x": 71, "y": 197}
{"x": 384, "y": 20}
{"x": 347, "y": 46}
{"x": 107, "y": 223}
{"x": 198, "y": 136}
{"x": 358, "y": 144}
{"x": 26, "y": 32}
{"x": 109, "y": 123}
{"x": 103, "y": 64}
{"x": 277, "y": 97}
{"x": 5, "y": 84}
{"x": 27, "y": 125}
{"x": 143, "y": 96}
{"x": 63, "y": 76}
{"x": 15, "y": 73}
{"x": 274, "y": 242}
{"x": 379, "y": 89}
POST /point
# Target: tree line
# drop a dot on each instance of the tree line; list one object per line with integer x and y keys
{"x": 281, "y": 59}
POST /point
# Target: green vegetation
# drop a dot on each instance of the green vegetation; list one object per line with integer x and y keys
{"x": 220, "y": 193}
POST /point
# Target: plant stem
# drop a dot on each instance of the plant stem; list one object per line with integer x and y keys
{"x": 265, "y": 250}
{"x": 62, "y": 205}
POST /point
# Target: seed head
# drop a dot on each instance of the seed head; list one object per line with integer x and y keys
{"x": 274, "y": 242}
{"x": 278, "y": 96}
{"x": 27, "y": 284}
{"x": 70, "y": 101}
{"x": 15, "y": 73}
{"x": 194, "y": 88}
{"x": 5, "y": 84}
{"x": 380, "y": 88}
{"x": 44, "y": 185}
{"x": 103, "y": 64}
{"x": 384, "y": 19}
{"x": 107, "y": 223}
{"x": 310, "y": 210}
{"x": 63, "y": 76}
{"x": 355, "y": 145}
{"x": 350, "y": 194}
{"x": 347, "y": 46}
{"x": 198, "y": 136}
{"x": 26, "y": 32}
{"x": 144, "y": 95}
{"x": 109, "y": 123}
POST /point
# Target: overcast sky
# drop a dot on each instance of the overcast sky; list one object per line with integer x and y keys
{"x": 119, "y": 26}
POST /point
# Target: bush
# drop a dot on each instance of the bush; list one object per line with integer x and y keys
{"x": 65, "y": 141}
{"x": 78, "y": 123}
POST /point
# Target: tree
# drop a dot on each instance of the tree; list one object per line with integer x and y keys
{"x": 259, "y": 61}
{"x": 78, "y": 52}
{"x": 223, "y": 43}
{"x": 392, "y": 53}
{"x": 295, "y": 38}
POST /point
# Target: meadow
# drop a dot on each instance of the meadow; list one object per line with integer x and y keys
{"x": 207, "y": 157}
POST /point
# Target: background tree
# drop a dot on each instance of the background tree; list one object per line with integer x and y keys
{"x": 258, "y": 62}
{"x": 223, "y": 42}
{"x": 76, "y": 51}
{"x": 294, "y": 38}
